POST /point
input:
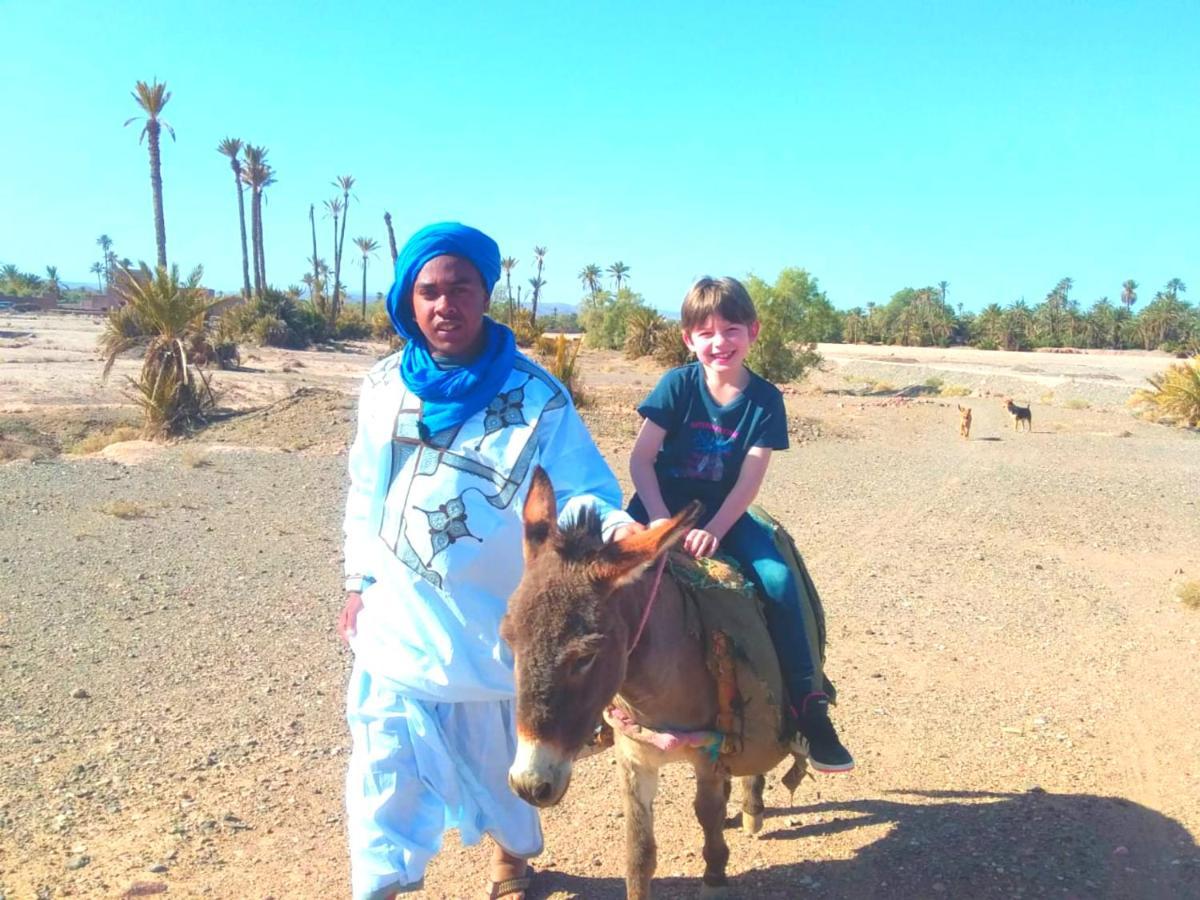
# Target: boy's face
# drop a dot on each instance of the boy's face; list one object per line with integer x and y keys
{"x": 719, "y": 344}
{"x": 449, "y": 300}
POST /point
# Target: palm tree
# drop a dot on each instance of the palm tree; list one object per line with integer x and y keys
{"x": 104, "y": 242}
{"x": 231, "y": 147}
{"x": 345, "y": 182}
{"x": 98, "y": 271}
{"x": 152, "y": 98}
{"x": 539, "y": 254}
{"x": 366, "y": 246}
{"x": 387, "y": 220}
{"x": 1129, "y": 294}
{"x": 589, "y": 277}
{"x": 53, "y": 285}
{"x": 1174, "y": 288}
{"x": 508, "y": 264}
{"x": 333, "y": 210}
{"x": 942, "y": 285}
{"x": 619, "y": 271}
{"x": 259, "y": 175}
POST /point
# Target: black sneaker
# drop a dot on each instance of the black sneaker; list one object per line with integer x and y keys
{"x": 825, "y": 751}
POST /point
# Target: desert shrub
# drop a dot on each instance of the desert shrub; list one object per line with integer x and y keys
{"x": 563, "y": 365}
{"x": 1076, "y": 403}
{"x": 1189, "y": 594}
{"x": 98, "y": 440}
{"x": 276, "y": 320}
{"x": 883, "y": 387}
{"x": 934, "y": 383}
{"x": 1174, "y": 395}
{"x": 669, "y": 348}
{"x": 382, "y": 328}
{"x": 641, "y": 328}
{"x": 172, "y": 318}
{"x": 793, "y": 315}
{"x": 351, "y": 326}
{"x": 955, "y": 390}
{"x": 605, "y": 318}
{"x": 524, "y": 329}
{"x": 123, "y": 509}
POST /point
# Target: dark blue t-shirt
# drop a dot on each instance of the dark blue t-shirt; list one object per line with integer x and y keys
{"x": 705, "y": 443}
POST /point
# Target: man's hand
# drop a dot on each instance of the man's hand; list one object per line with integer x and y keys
{"x": 349, "y": 615}
{"x": 701, "y": 543}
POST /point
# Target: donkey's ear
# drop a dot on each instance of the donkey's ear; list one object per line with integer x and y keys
{"x": 624, "y": 561}
{"x": 540, "y": 513}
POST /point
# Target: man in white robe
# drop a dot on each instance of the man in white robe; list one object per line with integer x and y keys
{"x": 449, "y": 432}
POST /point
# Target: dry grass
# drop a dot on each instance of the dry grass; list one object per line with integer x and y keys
{"x": 93, "y": 443}
{"x": 195, "y": 458}
{"x": 124, "y": 509}
{"x": 1189, "y": 594}
{"x": 1076, "y": 403}
{"x": 955, "y": 390}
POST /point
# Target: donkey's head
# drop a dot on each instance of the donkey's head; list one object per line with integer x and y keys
{"x": 568, "y": 625}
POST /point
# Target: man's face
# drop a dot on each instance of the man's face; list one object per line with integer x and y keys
{"x": 449, "y": 301}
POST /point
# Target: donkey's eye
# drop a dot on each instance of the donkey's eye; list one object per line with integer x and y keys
{"x": 580, "y": 665}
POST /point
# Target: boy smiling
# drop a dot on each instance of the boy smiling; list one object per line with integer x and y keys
{"x": 707, "y": 434}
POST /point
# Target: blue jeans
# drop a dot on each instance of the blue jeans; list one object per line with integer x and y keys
{"x": 753, "y": 546}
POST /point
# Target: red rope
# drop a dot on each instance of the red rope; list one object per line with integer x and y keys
{"x": 658, "y": 573}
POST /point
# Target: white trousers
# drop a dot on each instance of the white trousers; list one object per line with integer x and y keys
{"x": 419, "y": 768}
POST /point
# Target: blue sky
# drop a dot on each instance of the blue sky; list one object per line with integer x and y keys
{"x": 998, "y": 146}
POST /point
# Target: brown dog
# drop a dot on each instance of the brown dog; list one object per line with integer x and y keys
{"x": 1020, "y": 414}
{"x": 964, "y": 421}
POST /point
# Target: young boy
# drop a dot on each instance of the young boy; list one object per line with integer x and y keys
{"x": 707, "y": 434}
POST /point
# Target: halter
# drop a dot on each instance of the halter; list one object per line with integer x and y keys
{"x": 658, "y": 573}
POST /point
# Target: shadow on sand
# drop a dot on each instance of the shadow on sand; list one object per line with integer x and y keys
{"x": 955, "y": 845}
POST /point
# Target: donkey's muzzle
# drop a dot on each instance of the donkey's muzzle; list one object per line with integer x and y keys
{"x": 540, "y": 774}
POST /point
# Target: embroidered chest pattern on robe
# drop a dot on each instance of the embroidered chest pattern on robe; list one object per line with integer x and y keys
{"x": 495, "y": 472}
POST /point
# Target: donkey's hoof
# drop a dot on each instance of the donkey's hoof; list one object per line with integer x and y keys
{"x": 752, "y": 823}
{"x": 715, "y": 892}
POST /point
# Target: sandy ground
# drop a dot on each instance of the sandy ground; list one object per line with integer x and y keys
{"x": 1016, "y": 676}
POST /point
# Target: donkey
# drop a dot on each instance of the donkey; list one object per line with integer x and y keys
{"x": 572, "y": 624}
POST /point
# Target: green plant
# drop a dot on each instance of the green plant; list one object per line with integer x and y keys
{"x": 955, "y": 390}
{"x": 563, "y": 366}
{"x": 1174, "y": 396}
{"x": 170, "y": 318}
{"x": 934, "y": 383}
{"x": 524, "y": 328}
{"x": 669, "y": 348}
{"x": 642, "y": 326}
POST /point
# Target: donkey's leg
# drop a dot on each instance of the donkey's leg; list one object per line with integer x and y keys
{"x": 752, "y": 803}
{"x": 641, "y": 853}
{"x": 710, "y": 810}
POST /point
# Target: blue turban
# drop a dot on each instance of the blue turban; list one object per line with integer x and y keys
{"x": 439, "y": 239}
{"x": 451, "y": 394}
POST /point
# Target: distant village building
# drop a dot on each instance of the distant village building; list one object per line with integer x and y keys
{"x": 100, "y": 302}
{"x": 28, "y": 304}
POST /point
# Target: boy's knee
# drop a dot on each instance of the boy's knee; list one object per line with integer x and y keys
{"x": 777, "y": 581}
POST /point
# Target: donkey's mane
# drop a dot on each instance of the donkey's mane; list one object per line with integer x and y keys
{"x": 580, "y": 536}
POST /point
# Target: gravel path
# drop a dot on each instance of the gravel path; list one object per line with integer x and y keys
{"x": 1016, "y": 679}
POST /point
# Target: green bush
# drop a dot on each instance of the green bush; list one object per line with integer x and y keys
{"x": 642, "y": 327}
{"x": 351, "y": 326}
{"x": 275, "y": 320}
{"x": 669, "y": 349}
{"x": 1174, "y": 396}
{"x": 793, "y": 316}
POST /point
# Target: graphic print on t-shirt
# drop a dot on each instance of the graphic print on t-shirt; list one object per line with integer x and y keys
{"x": 710, "y": 446}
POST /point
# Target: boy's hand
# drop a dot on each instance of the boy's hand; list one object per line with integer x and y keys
{"x": 701, "y": 543}
{"x": 349, "y": 615}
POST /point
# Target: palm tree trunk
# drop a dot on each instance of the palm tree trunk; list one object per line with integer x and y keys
{"x": 160, "y": 226}
{"x": 262, "y": 256}
{"x": 387, "y": 219}
{"x": 364, "y": 296}
{"x": 341, "y": 242}
{"x": 242, "y": 222}
{"x": 312, "y": 220}
{"x": 254, "y": 212}
{"x": 333, "y": 306}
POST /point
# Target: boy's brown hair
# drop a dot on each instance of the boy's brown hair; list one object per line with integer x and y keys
{"x": 724, "y": 297}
